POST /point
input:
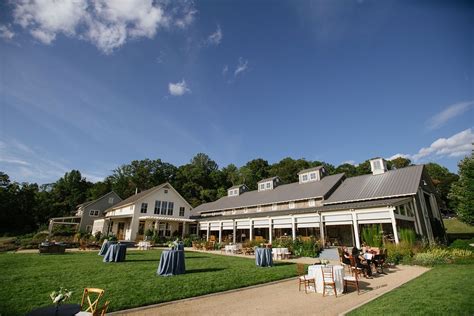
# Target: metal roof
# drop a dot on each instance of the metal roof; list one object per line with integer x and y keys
{"x": 236, "y": 186}
{"x": 135, "y": 197}
{"x": 282, "y": 193}
{"x": 325, "y": 208}
{"x": 310, "y": 169}
{"x": 268, "y": 179}
{"x": 392, "y": 183}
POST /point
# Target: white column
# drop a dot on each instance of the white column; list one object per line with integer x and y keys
{"x": 220, "y": 232}
{"x": 208, "y": 231}
{"x": 234, "y": 232}
{"x": 251, "y": 229}
{"x": 321, "y": 230}
{"x": 394, "y": 226}
{"x": 270, "y": 230}
{"x": 293, "y": 227}
{"x": 356, "y": 229}
{"x": 184, "y": 229}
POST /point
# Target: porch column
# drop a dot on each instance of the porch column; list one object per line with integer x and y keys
{"x": 208, "y": 230}
{"x": 429, "y": 231}
{"x": 157, "y": 225}
{"x": 50, "y": 227}
{"x": 293, "y": 227}
{"x": 394, "y": 226}
{"x": 356, "y": 229}
{"x": 417, "y": 216}
{"x": 184, "y": 229}
{"x": 321, "y": 230}
{"x": 251, "y": 229}
{"x": 220, "y": 232}
{"x": 270, "y": 230}
{"x": 234, "y": 231}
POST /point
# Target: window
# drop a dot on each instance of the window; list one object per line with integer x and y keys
{"x": 157, "y": 207}
{"x": 305, "y": 177}
{"x": 274, "y": 207}
{"x": 144, "y": 208}
{"x": 262, "y": 186}
{"x": 94, "y": 213}
{"x": 312, "y": 175}
{"x": 181, "y": 211}
{"x": 111, "y": 200}
{"x": 291, "y": 205}
{"x": 236, "y": 192}
{"x": 164, "y": 207}
{"x": 170, "y": 208}
{"x": 166, "y": 191}
{"x": 231, "y": 192}
{"x": 269, "y": 185}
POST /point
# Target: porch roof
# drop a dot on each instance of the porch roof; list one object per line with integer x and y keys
{"x": 169, "y": 219}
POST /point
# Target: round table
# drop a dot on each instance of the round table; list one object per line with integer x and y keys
{"x": 64, "y": 310}
{"x": 116, "y": 253}
{"x": 171, "y": 263}
{"x": 105, "y": 246}
{"x": 263, "y": 257}
{"x": 338, "y": 271}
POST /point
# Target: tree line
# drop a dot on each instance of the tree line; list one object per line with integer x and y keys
{"x": 26, "y": 207}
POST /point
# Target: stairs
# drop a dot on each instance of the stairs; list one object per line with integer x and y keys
{"x": 329, "y": 254}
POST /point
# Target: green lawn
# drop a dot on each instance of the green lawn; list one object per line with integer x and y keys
{"x": 27, "y": 279}
{"x": 444, "y": 290}
{"x": 453, "y": 225}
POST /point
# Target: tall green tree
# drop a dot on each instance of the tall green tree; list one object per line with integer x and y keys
{"x": 462, "y": 191}
{"x": 287, "y": 169}
{"x": 400, "y": 162}
{"x": 348, "y": 169}
{"x": 254, "y": 171}
{"x": 69, "y": 191}
{"x": 442, "y": 180}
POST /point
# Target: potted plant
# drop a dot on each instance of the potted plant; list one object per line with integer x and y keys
{"x": 59, "y": 296}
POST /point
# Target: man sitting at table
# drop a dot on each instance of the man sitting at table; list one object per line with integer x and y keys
{"x": 361, "y": 263}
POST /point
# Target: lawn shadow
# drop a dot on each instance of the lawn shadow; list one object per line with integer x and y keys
{"x": 204, "y": 270}
{"x": 197, "y": 257}
{"x": 281, "y": 263}
{"x": 142, "y": 260}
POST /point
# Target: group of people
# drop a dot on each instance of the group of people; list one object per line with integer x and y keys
{"x": 366, "y": 263}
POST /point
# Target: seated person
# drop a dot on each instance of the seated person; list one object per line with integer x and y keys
{"x": 361, "y": 263}
{"x": 346, "y": 256}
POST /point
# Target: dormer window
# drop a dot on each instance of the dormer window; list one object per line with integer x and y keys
{"x": 236, "y": 190}
{"x": 262, "y": 186}
{"x": 311, "y": 174}
{"x": 305, "y": 177}
{"x": 268, "y": 184}
{"x": 378, "y": 165}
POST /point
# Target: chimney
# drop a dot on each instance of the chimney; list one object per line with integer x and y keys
{"x": 378, "y": 165}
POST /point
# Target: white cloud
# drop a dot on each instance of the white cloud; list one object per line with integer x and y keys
{"x": 398, "y": 156}
{"x": 216, "y": 37}
{"x": 458, "y": 145}
{"x": 450, "y": 112}
{"x": 178, "y": 88}
{"x": 351, "y": 162}
{"x": 106, "y": 24}
{"x": 6, "y": 33}
{"x": 241, "y": 67}
{"x": 14, "y": 161}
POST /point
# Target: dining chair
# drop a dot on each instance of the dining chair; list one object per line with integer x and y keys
{"x": 304, "y": 278}
{"x": 88, "y": 298}
{"x": 352, "y": 280}
{"x": 354, "y": 268}
{"x": 102, "y": 310}
{"x": 328, "y": 279}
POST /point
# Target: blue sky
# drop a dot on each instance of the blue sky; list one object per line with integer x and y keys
{"x": 88, "y": 86}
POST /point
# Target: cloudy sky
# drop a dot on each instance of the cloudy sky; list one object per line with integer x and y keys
{"x": 93, "y": 84}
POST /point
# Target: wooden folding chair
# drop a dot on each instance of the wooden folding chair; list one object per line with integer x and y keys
{"x": 88, "y": 299}
{"x": 328, "y": 279}
{"x": 102, "y": 310}
{"x": 352, "y": 280}
{"x": 304, "y": 279}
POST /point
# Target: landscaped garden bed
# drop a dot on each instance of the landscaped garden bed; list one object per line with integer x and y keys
{"x": 28, "y": 279}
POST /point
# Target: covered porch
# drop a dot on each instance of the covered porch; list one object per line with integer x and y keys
{"x": 163, "y": 226}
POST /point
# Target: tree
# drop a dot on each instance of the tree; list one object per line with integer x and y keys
{"x": 442, "y": 180}
{"x": 462, "y": 191}
{"x": 287, "y": 169}
{"x": 400, "y": 162}
{"x": 364, "y": 168}
{"x": 254, "y": 171}
{"x": 69, "y": 191}
{"x": 348, "y": 169}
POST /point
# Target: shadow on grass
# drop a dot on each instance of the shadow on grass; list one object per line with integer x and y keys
{"x": 204, "y": 270}
{"x": 142, "y": 260}
{"x": 197, "y": 257}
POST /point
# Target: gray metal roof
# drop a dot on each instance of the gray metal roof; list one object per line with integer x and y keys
{"x": 285, "y": 192}
{"x": 392, "y": 183}
{"x": 268, "y": 179}
{"x": 325, "y": 208}
{"x": 135, "y": 197}
{"x": 310, "y": 169}
{"x": 236, "y": 186}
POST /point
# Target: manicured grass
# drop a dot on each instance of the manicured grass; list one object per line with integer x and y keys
{"x": 26, "y": 280}
{"x": 444, "y": 290}
{"x": 453, "y": 225}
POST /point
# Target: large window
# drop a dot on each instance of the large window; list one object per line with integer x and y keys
{"x": 164, "y": 207}
{"x": 94, "y": 213}
{"x": 144, "y": 208}
{"x": 157, "y": 207}
{"x": 181, "y": 211}
{"x": 170, "y": 208}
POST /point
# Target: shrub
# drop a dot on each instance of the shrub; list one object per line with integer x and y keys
{"x": 299, "y": 247}
{"x": 438, "y": 255}
{"x": 408, "y": 236}
{"x": 63, "y": 230}
{"x": 372, "y": 236}
{"x": 402, "y": 252}
{"x": 41, "y": 236}
{"x": 462, "y": 244}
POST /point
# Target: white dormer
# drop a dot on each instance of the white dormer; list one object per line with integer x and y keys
{"x": 311, "y": 174}
{"x": 236, "y": 190}
{"x": 378, "y": 165}
{"x": 268, "y": 184}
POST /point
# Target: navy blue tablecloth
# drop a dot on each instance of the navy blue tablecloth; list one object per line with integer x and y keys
{"x": 116, "y": 253}
{"x": 171, "y": 263}
{"x": 63, "y": 310}
{"x": 180, "y": 246}
{"x": 105, "y": 247}
{"x": 263, "y": 257}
